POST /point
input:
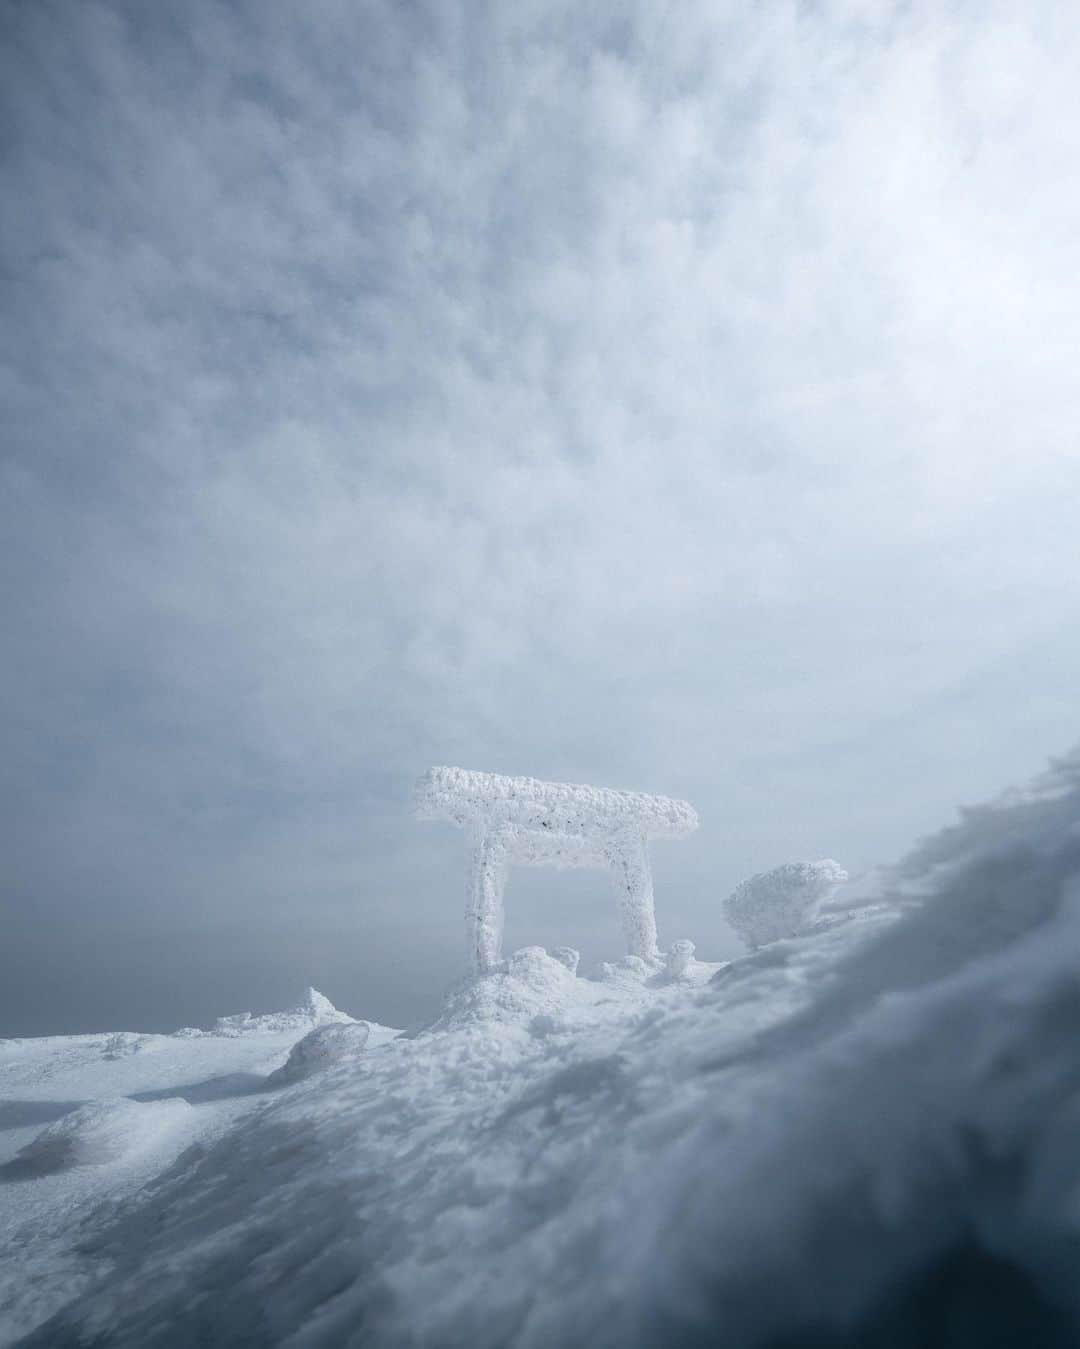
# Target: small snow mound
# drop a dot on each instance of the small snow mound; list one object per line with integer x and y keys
{"x": 631, "y": 968}
{"x": 102, "y": 1131}
{"x": 530, "y": 983}
{"x": 321, "y": 1048}
{"x": 319, "y": 1005}
{"x": 679, "y": 958}
{"x": 783, "y": 902}
{"x": 566, "y": 955}
{"x": 313, "y": 1009}
{"x": 122, "y": 1044}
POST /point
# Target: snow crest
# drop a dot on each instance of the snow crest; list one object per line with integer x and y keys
{"x": 320, "y": 1049}
{"x": 314, "y": 1009}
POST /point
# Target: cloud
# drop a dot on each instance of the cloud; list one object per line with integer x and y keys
{"x": 653, "y": 396}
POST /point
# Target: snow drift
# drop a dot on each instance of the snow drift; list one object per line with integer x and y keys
{"x": 861, "y": 1135}
{"x": 319, "y": 1049}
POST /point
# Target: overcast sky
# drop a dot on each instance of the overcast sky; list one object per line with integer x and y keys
{"x": 672, "y": 396}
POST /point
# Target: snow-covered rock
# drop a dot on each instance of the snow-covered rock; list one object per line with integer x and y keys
{"x": 783, "y": 902}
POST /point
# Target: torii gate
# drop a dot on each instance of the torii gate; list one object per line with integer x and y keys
{"x": 534, "y": 823}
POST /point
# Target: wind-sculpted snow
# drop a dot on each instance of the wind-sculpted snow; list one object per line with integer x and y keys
{"x": 87, "y": 1121}
{"x": 313, "y": 1010}
{"x": 99, "y": 1132}
{"x": 320, "y": 1049}
{"x": 839, "y": 1136}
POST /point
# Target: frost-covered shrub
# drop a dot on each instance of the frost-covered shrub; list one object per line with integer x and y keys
{"x": 783, "y": 902}
{"x": 321, "y": 1048}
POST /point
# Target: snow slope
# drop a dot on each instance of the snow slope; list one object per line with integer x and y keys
{"x": 88, "y": 1122}
{"x": 831, "y": 1141}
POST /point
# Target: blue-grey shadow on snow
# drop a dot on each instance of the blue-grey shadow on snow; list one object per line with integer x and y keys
{"x": 27, "y": 1168}
{"x": 213, "y": 1089}
{"x": 21, "y": 1114}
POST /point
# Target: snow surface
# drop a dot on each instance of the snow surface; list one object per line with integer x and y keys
{"x": 89, "y": 1122}
{"x": 756, "y": 1154}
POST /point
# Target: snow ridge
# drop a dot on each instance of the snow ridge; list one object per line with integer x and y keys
{"x": 313, "y": 1009}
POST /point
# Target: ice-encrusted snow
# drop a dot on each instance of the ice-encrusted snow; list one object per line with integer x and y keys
{"x": 748, "y": 1155}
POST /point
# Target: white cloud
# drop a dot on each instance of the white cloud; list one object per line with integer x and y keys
{"x": 624, "y": 394}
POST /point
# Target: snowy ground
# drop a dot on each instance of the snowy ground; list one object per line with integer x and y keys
{"x": 832, "y": 1140}
{"x": 89, "y": 1122}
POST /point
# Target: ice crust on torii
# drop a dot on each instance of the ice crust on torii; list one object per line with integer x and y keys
{"x": 532, "y": 823}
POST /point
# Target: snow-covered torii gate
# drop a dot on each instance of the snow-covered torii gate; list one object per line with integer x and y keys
{"x": 524, "y": 821}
